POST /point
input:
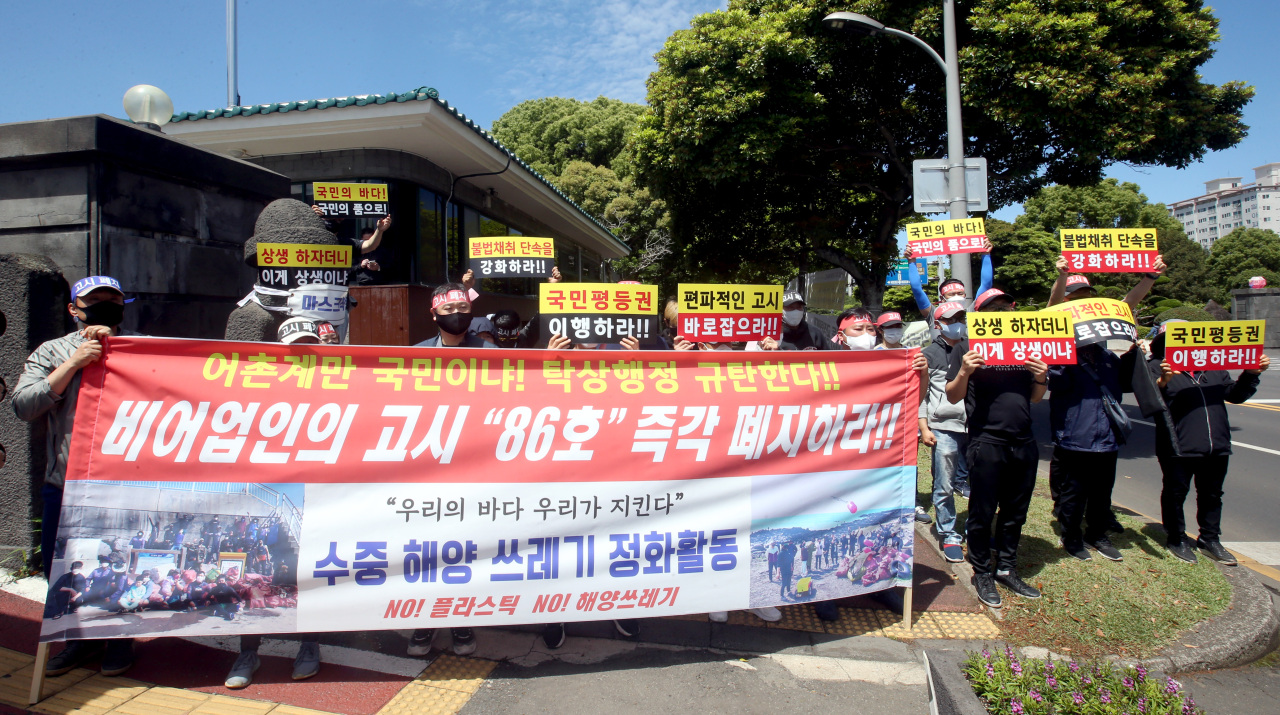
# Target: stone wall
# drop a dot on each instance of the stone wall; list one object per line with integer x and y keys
{"x": 1259, "y": 304}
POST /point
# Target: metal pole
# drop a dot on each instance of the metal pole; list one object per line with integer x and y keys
{"x": 233, "y": 88}
{"x": 955, "y": 141}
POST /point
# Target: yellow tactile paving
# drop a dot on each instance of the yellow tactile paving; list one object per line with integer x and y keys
{"x": 922, "y": 626}
{"x": 855, "y": 622}
{"x": 417, "y": 699}
{"x": 92, "y": 696}
{"x": 162, "y": 701}
{"x": 965, "y": 625}
{"x": 799, "y": 618}
{"x": 11, "y": 660}
{"x": 15, "y": 689}
{"x": 451, "y": 672}
{"x": 226, "y": 705}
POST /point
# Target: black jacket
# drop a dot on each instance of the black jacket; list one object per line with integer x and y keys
{"x": 805, "y": 337}
{"x": 1197, "y": 406}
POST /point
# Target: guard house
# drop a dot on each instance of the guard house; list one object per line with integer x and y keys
{"x": 425, "y": 151}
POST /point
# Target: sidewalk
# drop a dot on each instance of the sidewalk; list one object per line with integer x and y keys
{"x": 687, "y": 663}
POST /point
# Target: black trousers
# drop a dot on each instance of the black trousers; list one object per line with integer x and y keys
{"x": 1208, "y": 473}
{"x": 1085, "y": 483}
{"x": 1001, "y": 479}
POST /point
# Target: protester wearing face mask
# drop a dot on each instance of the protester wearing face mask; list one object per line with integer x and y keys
{"x": 797, "y": 333}
{"x": 891, "y": 329}
{"x": 950, "y": 290}
{"x": 299, "y": 331}
{"x": 1002, "y": 456}
{"x": 48, "y": 389}
{"x": 451, "y": 311}
{"x": 1069, "y": 287}
{"x": 506, "y": 328}
{"x": 943, "y": 427}
{"x": 856, "y": 330}
{"x": 328, "y": 334}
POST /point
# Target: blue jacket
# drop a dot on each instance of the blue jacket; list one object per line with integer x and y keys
{"x": 1076, "y": 411}
{"x": 922, "y": 298}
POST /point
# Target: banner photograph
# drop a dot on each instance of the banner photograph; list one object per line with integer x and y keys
{"x": 579, "y": 486}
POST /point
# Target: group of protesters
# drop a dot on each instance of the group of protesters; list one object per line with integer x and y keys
{"x": 975, "y": 418}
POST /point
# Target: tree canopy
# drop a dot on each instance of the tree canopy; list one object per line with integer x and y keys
{"x": 775, "y": 141}
{"x": 1242, "y": 254}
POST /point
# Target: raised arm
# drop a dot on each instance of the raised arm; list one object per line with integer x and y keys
{"x": 1140, "y": 291}
{"x": 913, "y": 277}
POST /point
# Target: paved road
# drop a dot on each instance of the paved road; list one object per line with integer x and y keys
{"x": 1252, "y": 492}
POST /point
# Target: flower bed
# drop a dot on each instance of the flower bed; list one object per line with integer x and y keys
{"x": 1009, "y": 686}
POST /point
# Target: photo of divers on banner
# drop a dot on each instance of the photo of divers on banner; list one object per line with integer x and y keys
{"x": 392, "y": 488}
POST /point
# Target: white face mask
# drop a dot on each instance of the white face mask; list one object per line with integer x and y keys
{"x": 724, "y": 346}
{"x": 589, "y": 346}
{"x": 793, "y": 317}
{"x": 866, "y": 341}
{"x": 893, "y": 335}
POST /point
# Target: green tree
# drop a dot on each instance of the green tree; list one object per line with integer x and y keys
{"x": 1241, "y": 254}
{"x": 775, "y": 141}
{"x": 1024, "y": 258}
{"x": 549, "y": 133}
{"x": 1111, "y": 204}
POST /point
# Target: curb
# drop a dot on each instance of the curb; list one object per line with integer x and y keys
{"x": 1246, "y": 631}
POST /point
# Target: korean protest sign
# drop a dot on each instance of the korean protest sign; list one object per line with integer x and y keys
{"x": 511, "y": 256}
{"x": 350, "y": 200}
{"x": 360, "y": 487}
{"x": 939, "y": 238}
{"x": 598, "y": 312}
{"x": 1098, "y": 320}
{"x": 729, "y": 313}
{"x": 1109, "y": 250}
{"x": 288, "y": 265}
{"x": 1214, "y": 345}
{"x": 1013, "y": 338}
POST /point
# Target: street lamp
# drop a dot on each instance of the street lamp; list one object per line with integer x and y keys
{"x": 856, "y": 24}
{"x": 148, "y": 106}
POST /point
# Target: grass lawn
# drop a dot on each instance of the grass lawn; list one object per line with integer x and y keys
{"x": 1132, "y": 608}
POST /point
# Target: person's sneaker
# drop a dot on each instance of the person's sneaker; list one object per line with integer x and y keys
{"x": 1078, "y": 551}
{"x": 420, "y": 642}
{"x": 827, "y": 610}
{"x": 628, "y": 627}
{"x": 986, "y": 588}
{"x": 718, "y": 616}
{"x": 1183, "y": 551}
{"x": 464, "y": 641}
{"x": 1216, "y": 552}
{"x": 961, "y": 490}
{"x": 1010, "y": 580}
{"x": 76, "y": 654}
{"x": 768, "y": 613}
{"x": 118, "y": 657}
{"x": 307, "y": 663}
{"x": 922, "y": 516}
{"x": 553, "y": 635}
{"x": 953, "y": 553}
{"x": 1106, "y": 549}
{"x": 241, "y": 674}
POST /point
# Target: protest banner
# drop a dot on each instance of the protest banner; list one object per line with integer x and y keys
{"x": 1214, "y": 345}
{"x": 598, "y": 312}
{"x": 511, "y": 256}
{"x": 289, "y": 265}
{"x": 365, "y": 488}
{"x": 1110, "y": 250}
{"x": 897, "y": 275}
{"x": 1098, "y": 320}
{"x": 939, "y": 238}
{"x": 729, "y": 313}
{"x": 350, "y": 200}
{"x": 1012, "y": 338}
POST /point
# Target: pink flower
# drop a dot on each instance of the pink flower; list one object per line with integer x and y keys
{"x": 1017, "y": 707}
{"x": 1035, "y": 695}
{"x": 1078, "y": 698}
{"x": 1074, "y": 666}
{"x": 1052, "y": 682}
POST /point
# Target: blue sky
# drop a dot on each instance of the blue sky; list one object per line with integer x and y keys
{"x": 72, "y": 58}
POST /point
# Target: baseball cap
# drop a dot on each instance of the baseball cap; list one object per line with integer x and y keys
{"x": 989, "y": 295}
{"x": 888, "y": 318}
{"x": 1075, "y": 283}
{"x": 89, "y": 284}
{"x": 791, "y": 297}
{"x": 294, "y": 329}
{"x": 948, "y": 309}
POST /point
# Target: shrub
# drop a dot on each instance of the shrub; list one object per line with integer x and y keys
{"x": 1185, "y": 312}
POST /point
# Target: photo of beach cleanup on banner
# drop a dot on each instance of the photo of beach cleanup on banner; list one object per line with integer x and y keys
{"x": 592, "y": 484}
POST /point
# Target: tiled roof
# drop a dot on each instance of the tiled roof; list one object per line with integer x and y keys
{"x": 421, "y": 94}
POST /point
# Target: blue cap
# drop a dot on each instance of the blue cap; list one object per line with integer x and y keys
{"x": 85, "y": 286}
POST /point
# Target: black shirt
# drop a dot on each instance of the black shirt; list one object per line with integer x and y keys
{"x": 998, "y": 401}
{"x": 805, "y": 337}
{"x": 470, "y": 341}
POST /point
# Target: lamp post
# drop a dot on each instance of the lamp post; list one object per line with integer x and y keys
{"x": 148, "y": 106}
{"x": 854, "y": 23}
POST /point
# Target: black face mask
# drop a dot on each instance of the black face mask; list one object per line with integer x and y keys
{"x": 454, "y": 323}
{"x": 105, "y": 312}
